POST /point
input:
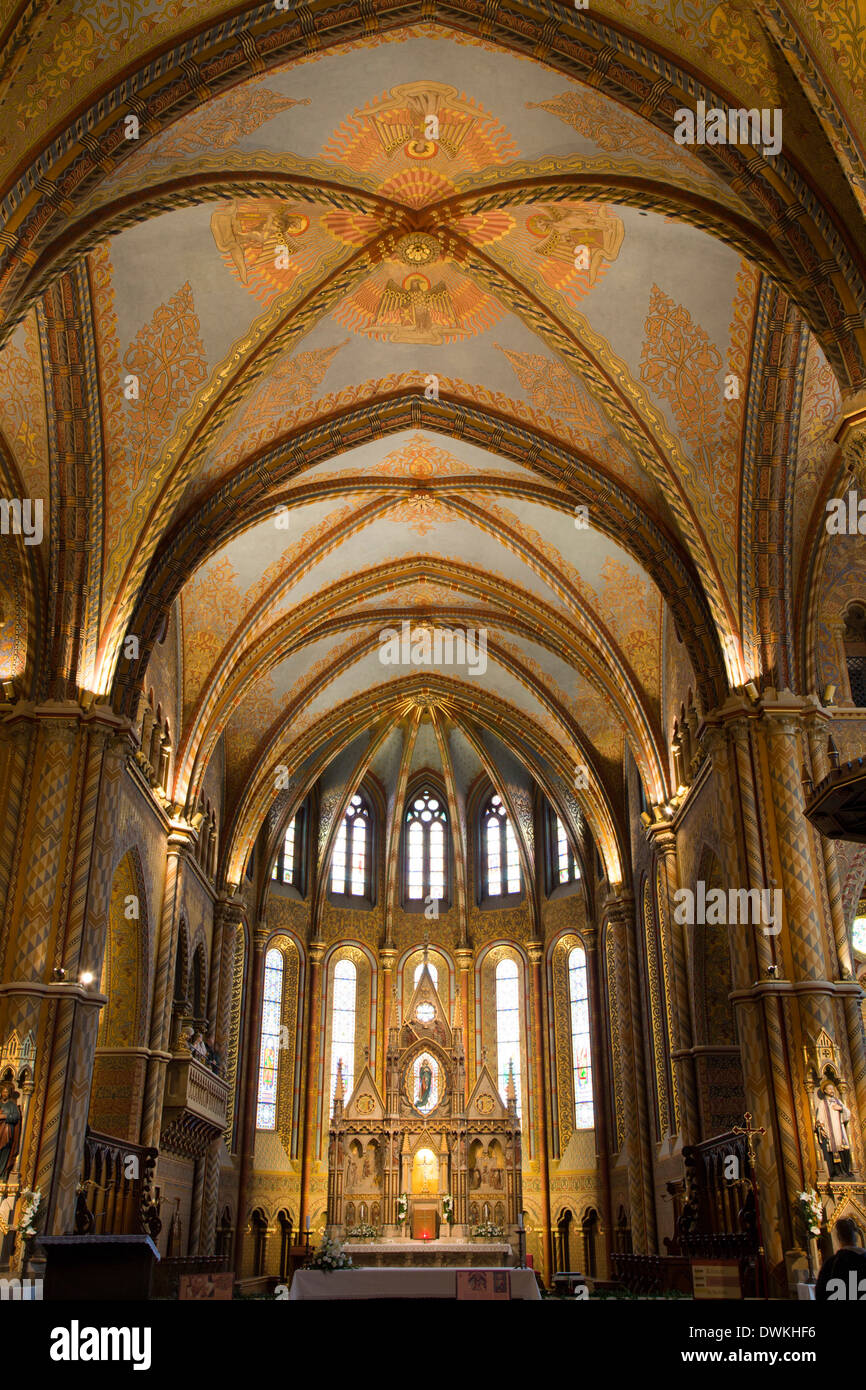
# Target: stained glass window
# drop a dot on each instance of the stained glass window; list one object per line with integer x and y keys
{"x": 269, "y": 1052}
{"x": 343, "y": 1025}
{"x": 351, "y": 860}
{"x": 508, "y": 1027}
{"x": 425, "y": 847}
{"x": 432, "y": 970}
{"x": 858, "y": 934}
{"x": 566, "y": 869}
{"x": 581, "y": 1055}
{"x": 502, "y": 858}
{"x": 284, "y": 864}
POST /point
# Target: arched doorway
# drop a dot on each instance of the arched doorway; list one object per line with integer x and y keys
{"x": 590, "y": 1242}
{"x": 562, "y": 1243}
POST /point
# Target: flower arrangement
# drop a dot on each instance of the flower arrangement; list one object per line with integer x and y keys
{"x": 329, "y": 1256}
{"x": 448, "y": 1208}
{"x": 487, "y": 1228}
{"x": 402, "y": 1208}
{"x": 811, "y": 1209}
{"x": 27, "y": 1220}
{"x": 363, "y": 1232}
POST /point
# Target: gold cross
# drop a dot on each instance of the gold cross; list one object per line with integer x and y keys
{"x": 749, "y": 1133}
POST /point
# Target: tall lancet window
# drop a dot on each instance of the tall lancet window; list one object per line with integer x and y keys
{"x": 343, "y": 1007}
{"x": 269, "y": 1050}
{"x": 350, "y": 866}
{"x": 284, "y": 864}
{"x": 500, "y": 854}
{"x": 432, "y": 970}
{"x": 508, "y": 1027}
{"x": 567, "y": 870}
{"x": 581, "y": 1054}
{"x": 426, "y": 824}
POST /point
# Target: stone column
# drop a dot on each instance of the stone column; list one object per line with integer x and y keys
{"x": 61, "y": 770}
{"x": 619, "y": 915}
{"x": 676, "y": 981}
{"x": 787, "y": 986}
{"x": 465, "y": 958}
{"x": 179, "y": 849}
{"x": 312, "y": 1049}
{"x": 387, "y": 961}
{"x": 539, "y": 1054}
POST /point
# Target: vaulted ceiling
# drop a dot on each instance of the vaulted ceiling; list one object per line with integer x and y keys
{"x": 405, "y": 317}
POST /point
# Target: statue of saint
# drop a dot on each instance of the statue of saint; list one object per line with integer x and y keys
{"x": 10, "y": 1128}
{"x": 831, "y": 1128}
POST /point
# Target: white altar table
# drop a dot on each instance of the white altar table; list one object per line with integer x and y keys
{"x": 397, "y": 1283}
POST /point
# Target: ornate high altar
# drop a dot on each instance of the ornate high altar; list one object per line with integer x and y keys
{"x": 426, "y": 1164}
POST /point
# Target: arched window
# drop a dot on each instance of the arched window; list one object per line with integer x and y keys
{"x": 284, "y": 870}
{"x": 500, "y": 855}
{"x": 581, "y": 1056}
{"x": 343, "y": 1025}
{"x": 424, "y": 853}
{"x": 854, "y": 637}
{"x": 269, "y": 1052}
{"x": 508, "y": 1027}
{"x": 858, "y": 930}
{"x": 562, "y": 865}
{"x": 350, "y": 866}
{"x": 433, "y": 971}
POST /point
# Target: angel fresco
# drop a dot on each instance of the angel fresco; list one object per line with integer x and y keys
{"x": 253, "y": 228}
{"x": 564, "y": 229}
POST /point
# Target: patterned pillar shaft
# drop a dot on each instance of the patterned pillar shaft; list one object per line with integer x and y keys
{"x": 57, "y": 861}
{"x": 644, "y": 1133}
{"x": 197, "y": 1204}
{"x": 387, "y": 961}
{"x": 181, "y": 843}
{"x": 211, "y": 1199}
{"x": 632, "y": 1117}
{"x": 743, "y": 768}
{"x": 676, "y": 985}
{"x": 464, "y": 958}
{"x": 317, "y": 952}
{"x": 539, "y": 1033}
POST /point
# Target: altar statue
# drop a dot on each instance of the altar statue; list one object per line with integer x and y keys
{"x": 10, "y": 1125}
{"x": 831, "y": 1128}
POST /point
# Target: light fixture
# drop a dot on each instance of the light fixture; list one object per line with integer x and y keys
{"x": 829, "y": 695}
{"x": 86, "y": 977}
{"x": 752, "y": 691}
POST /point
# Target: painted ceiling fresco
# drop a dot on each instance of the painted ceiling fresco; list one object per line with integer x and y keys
{"x": 418, "y": 327}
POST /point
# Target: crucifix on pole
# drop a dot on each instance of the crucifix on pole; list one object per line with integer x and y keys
{"x": 750, "y": 1134}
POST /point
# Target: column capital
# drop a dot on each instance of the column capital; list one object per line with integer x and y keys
{"x": 261, "y": 934}
{"x": 662, "y": 836}
{"x": 619, "y": 909}
{"x": 535, "y": 951}
{"x": 464, "y": 957}
{"x": 387, "y": 957}
{"x": 316, "y": 949}
{"x": 851, "y": 432}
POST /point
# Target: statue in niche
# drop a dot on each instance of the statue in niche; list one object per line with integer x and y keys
{"x": 831, "y": 1128}
{"x": 10, "y": 1127}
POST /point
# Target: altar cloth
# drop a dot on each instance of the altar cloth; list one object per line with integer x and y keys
{"x": 396, "y": 1283}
